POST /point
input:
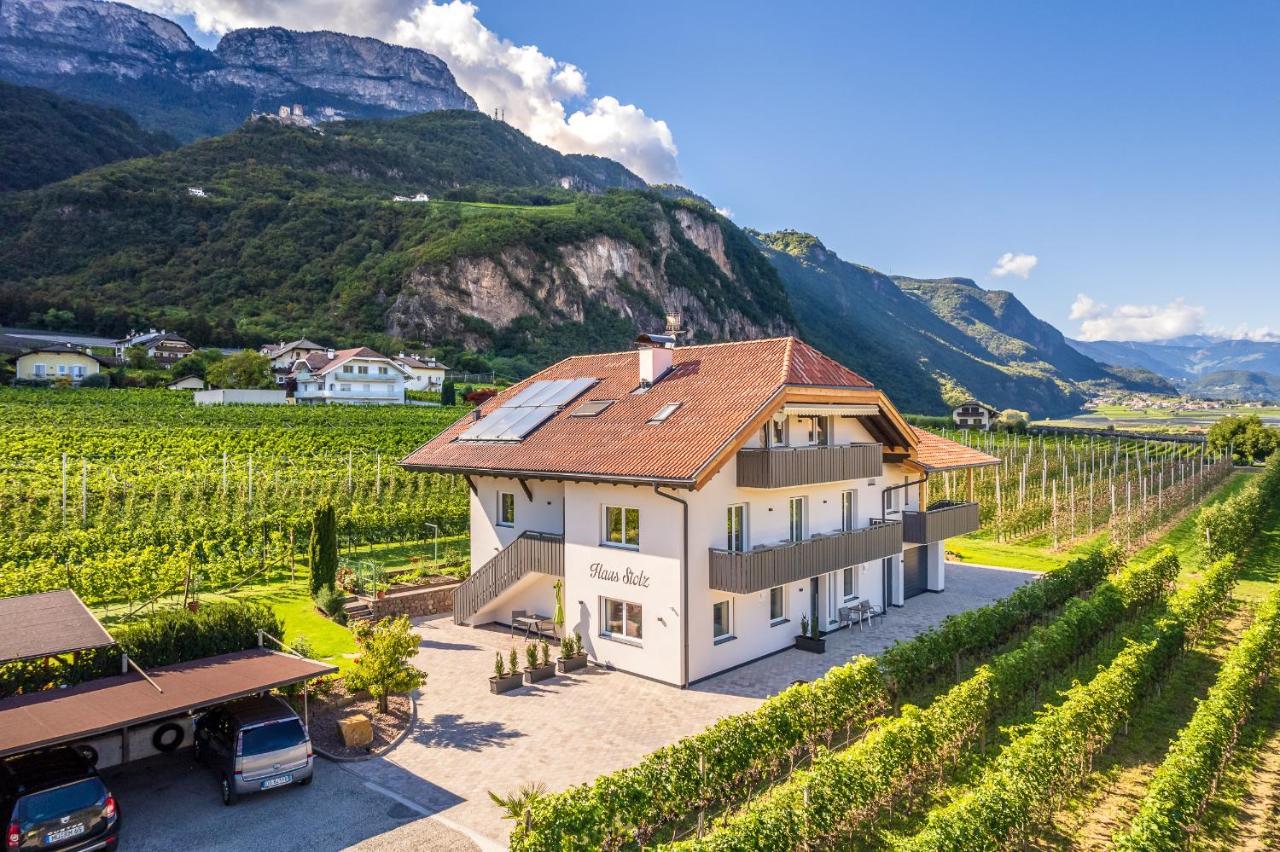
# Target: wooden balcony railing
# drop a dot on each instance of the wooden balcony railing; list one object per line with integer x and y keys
{"x": 941, "y": 521}
{"x": 783, "y": 467}
{"x": 789, "y": 562}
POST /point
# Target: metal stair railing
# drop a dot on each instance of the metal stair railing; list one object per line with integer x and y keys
{"x": 531, "y": 552}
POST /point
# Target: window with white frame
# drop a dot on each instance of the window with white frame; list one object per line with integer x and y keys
{"x": 382, "y": 371}
{"x": 621, "y": 526}
{"x": 722, "y": 621}
{"x": 848, "y": 510}
{"x": 777, "y": 605}
{"x": 62, "y": 369}
{"x": 819, "y": 430}
{"x": 847, "y": 583}
{"x": 778, "y": 431}
{"x": 736, "y": 531}
{"x": 506, "y": 509}
{"x": 796, "y": 518}
{"x": 362, "y": 370}
{"x": 38, "y": 371}
{"x": 621, "y": 619}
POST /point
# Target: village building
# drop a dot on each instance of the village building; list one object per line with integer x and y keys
{"x": 425, "y": 373}
{"x": 695, "y": 505}
{"x": 50, "y": 362}
{"x": 348, "y": 376}
{"x": 192, "y": 383}
{"x": 284, "y": 355}
{"x": 974, "y": 415}
{"x": 163, "y": 346}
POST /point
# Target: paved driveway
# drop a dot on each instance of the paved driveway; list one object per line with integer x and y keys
{"x": 570, "y": 729}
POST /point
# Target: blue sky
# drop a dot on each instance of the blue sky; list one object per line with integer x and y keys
{"x": 1132, "y": 148}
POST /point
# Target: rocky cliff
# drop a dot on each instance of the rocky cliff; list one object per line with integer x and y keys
{"x": 116, "y": 55}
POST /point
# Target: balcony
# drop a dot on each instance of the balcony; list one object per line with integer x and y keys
{"x": 783, "y": 467}
{"x": 941, "y": 521}
{"x": 792, "y": 561}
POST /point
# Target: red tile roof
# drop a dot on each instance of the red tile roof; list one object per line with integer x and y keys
{"x": 320, "y": 363}
{"x": 721, "y": 387}
{"x": 934, "y": 452}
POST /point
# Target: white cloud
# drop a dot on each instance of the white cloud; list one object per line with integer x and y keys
{"x": 1015, "y": 264}
{"x": 542, "y": 96}
{"x": 1261, "y": 334}
{"x": 1099, "y": 321}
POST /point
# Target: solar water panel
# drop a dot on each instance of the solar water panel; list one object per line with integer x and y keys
{"x": 527, "y": 410}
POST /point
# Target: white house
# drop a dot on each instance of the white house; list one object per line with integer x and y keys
{"x": 425, "y": 373}
{"x": 164, "y": 346}
{"x": 697, "y": 502}
{"x": 352, "y": 376}
{"x": 974, "y": 415}
{"x": 284, "y": 355}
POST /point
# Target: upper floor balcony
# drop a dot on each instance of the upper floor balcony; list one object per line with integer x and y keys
{"x": 784, "y": 467}
{"x": 764, "y": 567}
{"x": 940, "y": 521}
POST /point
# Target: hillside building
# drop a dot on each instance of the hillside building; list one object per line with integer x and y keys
{"x": 974, "y": 415}
{"x": 284, "y": 355}
{"x": 348, "y": 376}
{"x": 425, "y": 373}
{"x": 51, "y": 362}
{"x": 164, "y": 347}
{"x": 697, "y": 503}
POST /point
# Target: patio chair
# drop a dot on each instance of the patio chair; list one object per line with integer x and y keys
{"x": 845, "y": 617}
{"x": 517, "y": 614}
{"x": 865, "y": 611}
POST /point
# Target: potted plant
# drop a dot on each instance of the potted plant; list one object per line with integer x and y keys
{"x": 502, "y": 681}
{"x": 572, "y": 657}
{"x": 809, "y": 640}
{"x": 540, "y": 666}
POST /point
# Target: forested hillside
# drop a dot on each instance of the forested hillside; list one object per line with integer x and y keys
{"x": 45, "y": 138}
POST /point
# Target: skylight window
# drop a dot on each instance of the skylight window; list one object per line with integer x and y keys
{"x": 664, "y": 412}
{"x": 591, "y": 408}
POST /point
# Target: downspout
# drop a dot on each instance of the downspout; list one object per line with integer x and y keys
{"x": 684, "y": 588}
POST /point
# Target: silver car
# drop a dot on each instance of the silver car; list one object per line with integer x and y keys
{"x": 254, "y": 744}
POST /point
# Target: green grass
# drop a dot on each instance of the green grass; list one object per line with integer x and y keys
{"x": 984, "y": 551}
{"x": 1183, "y": 537}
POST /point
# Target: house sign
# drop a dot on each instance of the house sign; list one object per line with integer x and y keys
{"x": 597, "y": 571}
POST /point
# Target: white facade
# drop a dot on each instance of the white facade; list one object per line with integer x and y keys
{"x": 645, "y": 580}
{"x": 358, "y": 380}
{"x": 239, "y": 396}
{"x": 423, "y": 374}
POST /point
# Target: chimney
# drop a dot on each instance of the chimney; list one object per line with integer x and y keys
{"x": 654, "y": 356}
{"x": 673, "y": 324}
{"x": 329, "y": 353}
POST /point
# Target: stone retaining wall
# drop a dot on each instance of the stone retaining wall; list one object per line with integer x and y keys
{"x": 429, "y": 600}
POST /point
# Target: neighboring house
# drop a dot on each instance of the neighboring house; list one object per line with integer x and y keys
{"x": 425, "y": 374}
{"x": 194, "y": 383}
{"x": 165, "y": 347}
{"x": 697, "y": 502}
{"x": 353, "y": 376}
{"x": 974, "y": 415}
{"x": 50, "y": 362}
{"x": 284, "y": 355}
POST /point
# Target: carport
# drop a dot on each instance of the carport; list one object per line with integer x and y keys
{"x": 47, "y": 625}
{"x": 116, "y": 704}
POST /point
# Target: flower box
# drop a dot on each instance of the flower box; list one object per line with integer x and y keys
{"x": 538, "y": 673}
{"x": 813, "y": 646}
{"x": 564, "y": 665}
{"x": 499, "y": 685}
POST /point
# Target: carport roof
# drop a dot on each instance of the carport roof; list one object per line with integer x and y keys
{"x": 47, "y": 624}
{"x": 48, "y": 718}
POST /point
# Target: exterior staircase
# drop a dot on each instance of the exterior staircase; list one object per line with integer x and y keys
{"x": 531, "y": 552}
{"x": 357, "y": 609}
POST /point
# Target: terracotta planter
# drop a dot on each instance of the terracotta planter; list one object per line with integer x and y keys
{"x": 564, "y": 665}
{"x": 193, "y": 606}
{"x": 539, "y": 673}
{"x": 813, "y": 646}
{"x": 499, "y": 685}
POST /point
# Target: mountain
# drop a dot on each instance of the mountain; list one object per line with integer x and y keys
{"x": 275, "y": 232}
{"x": 45, "y": 138}
{"x": 1200, "y": 365}
{"x": 112, "y": 54}
{"x": 1236, "y": 385}
{"x": 929, "y": 343}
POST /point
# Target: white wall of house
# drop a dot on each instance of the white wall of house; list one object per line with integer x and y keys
{"x": 425, "y": 379}
{"x": 347, "y": 385}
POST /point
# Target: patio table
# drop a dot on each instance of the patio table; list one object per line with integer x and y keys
{"x": 532, "y": 622}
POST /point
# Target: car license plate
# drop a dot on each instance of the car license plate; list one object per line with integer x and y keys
{"x": 64, "y": 833}
{"x": 278, "y": 781}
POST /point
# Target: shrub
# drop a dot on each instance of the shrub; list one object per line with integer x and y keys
{"x": 96, "y": 380}
{"x": 383, "y": 667}
{"x": 178, "y": 635}
{"x": 331, "y": 600}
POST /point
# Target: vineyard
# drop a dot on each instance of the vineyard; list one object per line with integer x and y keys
{"x": 1055, "y": 490}
{"x": 121, "y": 495}
{"x": 1017, "y": 706}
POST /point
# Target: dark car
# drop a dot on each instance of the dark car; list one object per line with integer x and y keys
{"x": 254, "y": 744}
{"x": 54, "y": 799}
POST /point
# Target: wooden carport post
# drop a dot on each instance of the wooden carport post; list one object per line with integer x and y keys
{"x": 971, "y": 490}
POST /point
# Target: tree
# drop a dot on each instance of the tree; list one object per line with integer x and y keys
{"x": 383, "y": 666}
{"x": 246, "y": 369}
{"x": 96, "y": 380}
{"x": 137, "y": 358}
{"x": 323, "y": 550}
{"x": 1250, "y": 440}
{"x": 448, "y": 393}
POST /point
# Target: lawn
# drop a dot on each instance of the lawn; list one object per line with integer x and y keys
{"x": 984, "y": 551}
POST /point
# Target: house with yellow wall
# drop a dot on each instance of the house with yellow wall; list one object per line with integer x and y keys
{"x": 53, "y": 361}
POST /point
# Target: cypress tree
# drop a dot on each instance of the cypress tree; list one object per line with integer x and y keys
{"x": 448, "y": 394}
{"x": 323, "y": 550}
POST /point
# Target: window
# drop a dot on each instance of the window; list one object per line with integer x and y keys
{"x": 345, "y": 388}
{"x": 363, "y": 370}
{"x": 778, "y": 431}
{"x": 382, "y": 371}
{"x": 591, "y": 408}
{"x": 819, "y": 430}
{"x": 737, "y": 528}
{"x": 506, "y": 509}
{"x": 848, "y": 583}
{"x": 848, "y": 510}
{"x": 664, "y": 412}
{"x": 796, "y": 518}
{"x": 38, "y": 371}
{"x": 777, "y": 605}
{"x": 622, "y": 620}
{"x": 722, "y": 621}
{"x": 622, "y": 526}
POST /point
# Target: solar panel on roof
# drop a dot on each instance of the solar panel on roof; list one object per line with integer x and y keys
{"x": 527, "y": 410}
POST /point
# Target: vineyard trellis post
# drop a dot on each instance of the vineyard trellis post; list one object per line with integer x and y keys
{"x": 64, "y": 488}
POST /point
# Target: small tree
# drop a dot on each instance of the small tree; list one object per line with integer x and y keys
{"x": 246, "y": 369}
{"x": 323, "y": 550}
{"x": 448, "y": 393}
{"x": 383, "y": 667}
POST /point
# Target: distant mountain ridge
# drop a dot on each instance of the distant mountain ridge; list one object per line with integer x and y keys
{"x": 113, "y": 54}
{"x": 1200, "y": 365}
